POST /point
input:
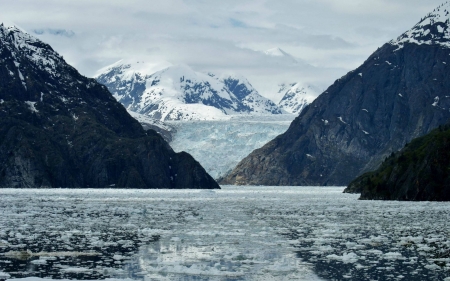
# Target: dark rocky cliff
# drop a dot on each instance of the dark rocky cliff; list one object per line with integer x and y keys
{"x": 400, "y": 92}
{"x": 419, "y": 172}
{"x": 61, "y": 129}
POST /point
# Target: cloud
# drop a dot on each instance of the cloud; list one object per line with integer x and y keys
{"x": 57, "y": 32}
{"x": 237, "y": 23}
{"x": 334, "y": 36}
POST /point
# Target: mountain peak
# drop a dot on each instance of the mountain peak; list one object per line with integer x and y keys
{"x": 61, "y": 129}
{"x": 297, "y": 96}
{"x": 432, "y": 29}
{"x": 281, "y": 54}
{"x": 277, "y": 52}
{"x": 130, "y": 66}
{"x": 178, "y": 92}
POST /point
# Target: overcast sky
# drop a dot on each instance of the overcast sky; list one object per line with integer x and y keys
{"x": 226, "y": 35}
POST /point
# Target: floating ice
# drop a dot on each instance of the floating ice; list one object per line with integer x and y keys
{"x": 251, "y": 233}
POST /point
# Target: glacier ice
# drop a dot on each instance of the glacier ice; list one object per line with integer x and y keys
{"x": 220, "y": 145}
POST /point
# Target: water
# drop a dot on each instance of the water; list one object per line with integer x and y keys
{"x": 237, "y": 233}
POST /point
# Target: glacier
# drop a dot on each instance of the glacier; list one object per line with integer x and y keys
{"x": 219, "y": 145}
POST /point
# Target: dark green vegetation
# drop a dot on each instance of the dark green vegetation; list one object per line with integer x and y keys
{"x": 61, "y": 129}
{"x": 420, "y": 171}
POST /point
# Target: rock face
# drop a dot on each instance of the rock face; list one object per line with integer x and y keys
{"x": 400, "y": 92}
{"x": 296, "y": 97}
{"x": 419, "y": 172}
{"x": 61, "y": 129}
{"x": 180, "y": 93}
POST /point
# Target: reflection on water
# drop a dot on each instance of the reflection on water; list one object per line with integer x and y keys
{"x": 238, "y": 233}
{"x": 143, "y": 234}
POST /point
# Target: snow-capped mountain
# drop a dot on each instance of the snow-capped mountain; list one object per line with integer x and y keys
{"x": 432, "y": 29}
{"x": 61, "y": 129}
{"x": 179, "y": 93}
{"x": 399, "y": 93}
{"x": 280, "y": 54}
{"x": 296, "y": 96}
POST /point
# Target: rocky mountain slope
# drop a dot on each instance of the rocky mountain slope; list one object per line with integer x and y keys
{"x": 399, "y": 93}
{"x": 180, "y": 93}
{"x": 296, "y": 97}
{"x": 419, "y": 172}
{"x": 60, "y": 129}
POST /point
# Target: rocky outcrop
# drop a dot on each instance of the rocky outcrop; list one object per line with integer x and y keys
{"x": 399, "y": 93}
{"x": 60, "y": 129}
{"x": 419, "y": 172}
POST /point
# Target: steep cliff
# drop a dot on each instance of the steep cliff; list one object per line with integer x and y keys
{"x": 399, "y": 93}
{"x": 60, "y": 129}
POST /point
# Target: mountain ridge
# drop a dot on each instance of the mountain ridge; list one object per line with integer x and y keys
{"x": 61, "y": 129}
{"x": 180, "y": 93}
{"x": 397, "y": 94}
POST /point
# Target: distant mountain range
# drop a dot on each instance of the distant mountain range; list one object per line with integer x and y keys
{"x": 180, "y": 93}
{"x": 399, "y": 93}
{"x": 61, "y": 129}
{"x": 177, "y": 92}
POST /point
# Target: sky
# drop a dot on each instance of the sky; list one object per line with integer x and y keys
{"x": 327, "y": 37}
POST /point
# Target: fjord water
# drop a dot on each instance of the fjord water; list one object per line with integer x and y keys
{"x": 237, "y": 233}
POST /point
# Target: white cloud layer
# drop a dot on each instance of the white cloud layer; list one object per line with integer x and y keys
{"x": 220, "y": 36}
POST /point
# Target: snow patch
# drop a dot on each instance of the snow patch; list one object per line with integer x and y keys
{"x": 340, "y": 119}
{"x": 433, "y": 29}
{"x": 436, "y": 101}
{"x": 31, "y": 106}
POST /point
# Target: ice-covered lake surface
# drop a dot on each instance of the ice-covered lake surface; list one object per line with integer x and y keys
{"x": 237, "y": 233}
{"x": 219, "y": 145}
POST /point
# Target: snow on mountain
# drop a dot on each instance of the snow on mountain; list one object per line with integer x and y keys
{"x": 297, "y": 96}
{"x": 179, "y": 93}
{"x": 279, "y": 53}
{"x": 432, "y": 29}
{"x": 62, "y": 129}
{"x": 244, "y": 91}
{"x": 32, "y": 49}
